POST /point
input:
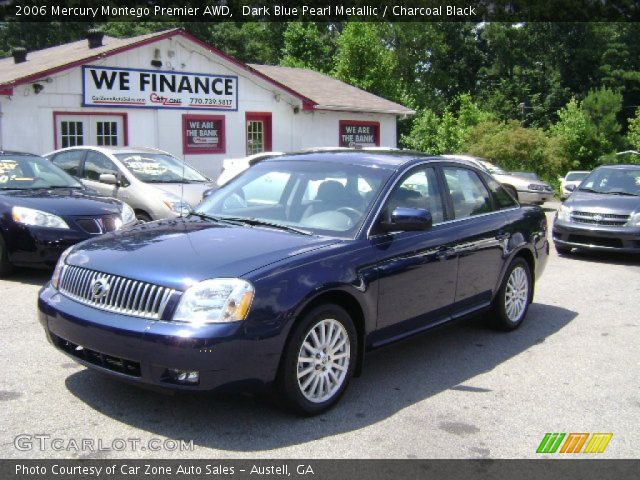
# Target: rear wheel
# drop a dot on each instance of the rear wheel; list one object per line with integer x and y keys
{"x": 319, "y": 360}
{"x": 514, "y": 297}
{"x": 5, "y": 265}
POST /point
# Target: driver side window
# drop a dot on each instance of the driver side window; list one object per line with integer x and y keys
{"x": 418, "y": 190}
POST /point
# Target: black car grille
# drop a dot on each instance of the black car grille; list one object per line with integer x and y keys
{"x": 596, "y": 241}
{"x": 115, "y": 364}
{"x": 604, "y": 219}
{"x": 115, "y": 293}
{"x": 99, "y": 225}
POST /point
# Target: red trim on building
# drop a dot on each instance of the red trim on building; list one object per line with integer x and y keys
{"x": 8, "y": 91}
{"x": 222, "y": 144}
{"x": 358, "y": 123}
{"x": 266, "y": 118}
{"x": 307, "y": 103}
{"x": 125, "y": 123}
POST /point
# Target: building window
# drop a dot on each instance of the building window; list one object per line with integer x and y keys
{"x": 203, "y": 134}
{"x": 107, "y": 133}
{"x": 358, "y": 134}
{"x": 71, "y": 134}
{"x": 75, "y": 128}
{"x": 258, "y": 132}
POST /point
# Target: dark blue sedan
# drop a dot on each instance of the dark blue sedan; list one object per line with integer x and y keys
{"x": 43, "y": 211}
{"x": 287, "y": 275}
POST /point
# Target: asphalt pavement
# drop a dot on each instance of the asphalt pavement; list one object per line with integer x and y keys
{"x": 460, "y": 392}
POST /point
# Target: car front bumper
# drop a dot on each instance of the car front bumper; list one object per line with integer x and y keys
{"x": 146, "y": 351}
{"x": 534, "y": 196}
{"x": 40, "y": 247}
{"x": 571, "y": 234}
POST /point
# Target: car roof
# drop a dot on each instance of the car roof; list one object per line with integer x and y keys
{"x": 114, "y": 150}
{"x": 391, "y": 160}
{"x": 626, "y": 166}
{"x": 11, "y": 152}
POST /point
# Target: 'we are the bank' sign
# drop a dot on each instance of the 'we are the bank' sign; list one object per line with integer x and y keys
{"x": 124, "y": 87}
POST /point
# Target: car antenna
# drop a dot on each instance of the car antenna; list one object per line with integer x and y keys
{"x": 182, "y": 184}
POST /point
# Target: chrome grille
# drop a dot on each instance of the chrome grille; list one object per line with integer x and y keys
{"x": 115, "y": 294}
{"x": 594, "y": 218}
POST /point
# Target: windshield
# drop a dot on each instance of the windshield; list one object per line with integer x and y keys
{"x": 316, "y": 197}
{"x": 576, "y": 176}
{"x": 491, "y": 168}
{"x": 159, "y": 168}
{"x": 27, "y": 172}
{"x": 613, "y": 181}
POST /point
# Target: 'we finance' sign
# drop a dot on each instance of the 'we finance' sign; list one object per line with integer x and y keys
{"x": 108, "y": 87}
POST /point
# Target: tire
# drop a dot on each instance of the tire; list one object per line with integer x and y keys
{"x": 143, "y": 217}
{"x": 562, "y": 250}
{"x": 328, "y": 372}
{"x": 5, "y": 266}
{"x": 512, "y": 191}
{"x": 511, "y": 305}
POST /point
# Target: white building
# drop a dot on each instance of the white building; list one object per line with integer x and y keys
{"x": 171, "y": 91}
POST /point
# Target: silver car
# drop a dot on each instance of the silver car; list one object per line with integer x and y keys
{"x": 525, "y": 190}
{"x": 154, "y": 183}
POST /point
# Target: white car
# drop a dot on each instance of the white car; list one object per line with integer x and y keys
{"x": 523, "y": 189}
{"x": 574, "y": 178}
{"x": 232, "y": 167}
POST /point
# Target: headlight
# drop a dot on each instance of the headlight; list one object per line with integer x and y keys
{"x": 37, "y": 218}
{"x": 128, "y": 215}
{"x": 55, "y": 278}
{"x": 215, "y": 301}
{"x": 564, "y": 213}
{"x": 176, "y": 205}
{"x": 634, "y": 220}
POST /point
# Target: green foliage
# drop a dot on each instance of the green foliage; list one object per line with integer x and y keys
{"x": 575, "y": 130}
{"x": 306, "y": 46}
{"x": 633, "y": 133}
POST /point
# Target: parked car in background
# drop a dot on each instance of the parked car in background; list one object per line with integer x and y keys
{"x": 524, "y": 190}
{"x": 529, "y": 175}
{"x": 155, "y": 183}
{"x": 603, "y": 213}
{"x": 232, "y": 167}
{"x": 43, "y": 211}
{"x": 573, "y": 178}
{"x": 286, "y": 275}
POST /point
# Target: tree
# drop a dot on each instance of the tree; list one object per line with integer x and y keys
{"x": 633, "y": 134}
{"x": 574, "y": 128}
{"x": 306, "y": 46}
{"x": 602, "y": 107}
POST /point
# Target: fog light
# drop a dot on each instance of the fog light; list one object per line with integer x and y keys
{"x": 187, "y": 377}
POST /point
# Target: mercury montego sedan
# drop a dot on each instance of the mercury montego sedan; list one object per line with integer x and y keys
{"x": 289, "y": 273}
{"x": 603, "y": 213}
{"x": 43, "y": 211}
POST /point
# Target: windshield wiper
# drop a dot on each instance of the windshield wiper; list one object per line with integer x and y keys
{"x": 266, "y": 223}
{"x": 591, "y": 190}
{"x": 205, "y": 216}
{"x": 626, "y": 194}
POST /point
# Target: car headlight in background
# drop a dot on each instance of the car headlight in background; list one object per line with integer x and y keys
{"x": 55, "y": 278}
{"x": 176, "y": 205}
{"x": 37, "y": 218}
{"x": 215, "y": 301}
{"x": 128, "y": 215}
{"x": 634, "y": 220}
{"x": 564, "y": 213}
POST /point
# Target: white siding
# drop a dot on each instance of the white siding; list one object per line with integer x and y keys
{"x": 27, "y": 119}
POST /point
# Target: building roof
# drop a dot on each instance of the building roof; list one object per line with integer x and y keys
{"x": 315, "y": 90}
{"x": 328, "y": 93}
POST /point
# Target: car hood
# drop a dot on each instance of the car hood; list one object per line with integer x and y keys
{"x": 189, "y": 192}
{"x": 517, "y": 182}
{"x": 62, "y": 202}
{"x": 603, "y": 203}
{"x": 178, "y": 252}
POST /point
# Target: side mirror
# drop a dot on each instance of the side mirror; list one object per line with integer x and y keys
{"x": 109, "y": 179}
{"x": 570, "y": 187}
{"x": 405, "y": 219}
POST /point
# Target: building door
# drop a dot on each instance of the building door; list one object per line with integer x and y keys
{"x": 258, "y": 132}
{"x": 81, "y": 129}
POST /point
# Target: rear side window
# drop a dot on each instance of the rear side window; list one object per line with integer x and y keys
{"x": 468, "y": 194}
{"x": 503, "y": 199}
{"x": 69, "y": 161}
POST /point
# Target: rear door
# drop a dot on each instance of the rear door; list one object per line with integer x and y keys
{"x": 481, "y": 237}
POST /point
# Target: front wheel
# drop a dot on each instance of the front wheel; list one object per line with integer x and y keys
{"x": 319, "y": 360}
{"x": 514, "y": 297}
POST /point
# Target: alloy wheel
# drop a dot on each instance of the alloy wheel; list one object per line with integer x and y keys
{"x": 516, "y": 294}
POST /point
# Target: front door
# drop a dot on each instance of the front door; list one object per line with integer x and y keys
{"x": 417, "y": 270}
{"x": 258, "y": 132}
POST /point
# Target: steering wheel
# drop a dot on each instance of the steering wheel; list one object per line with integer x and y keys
{"x": 352, "y": 213}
